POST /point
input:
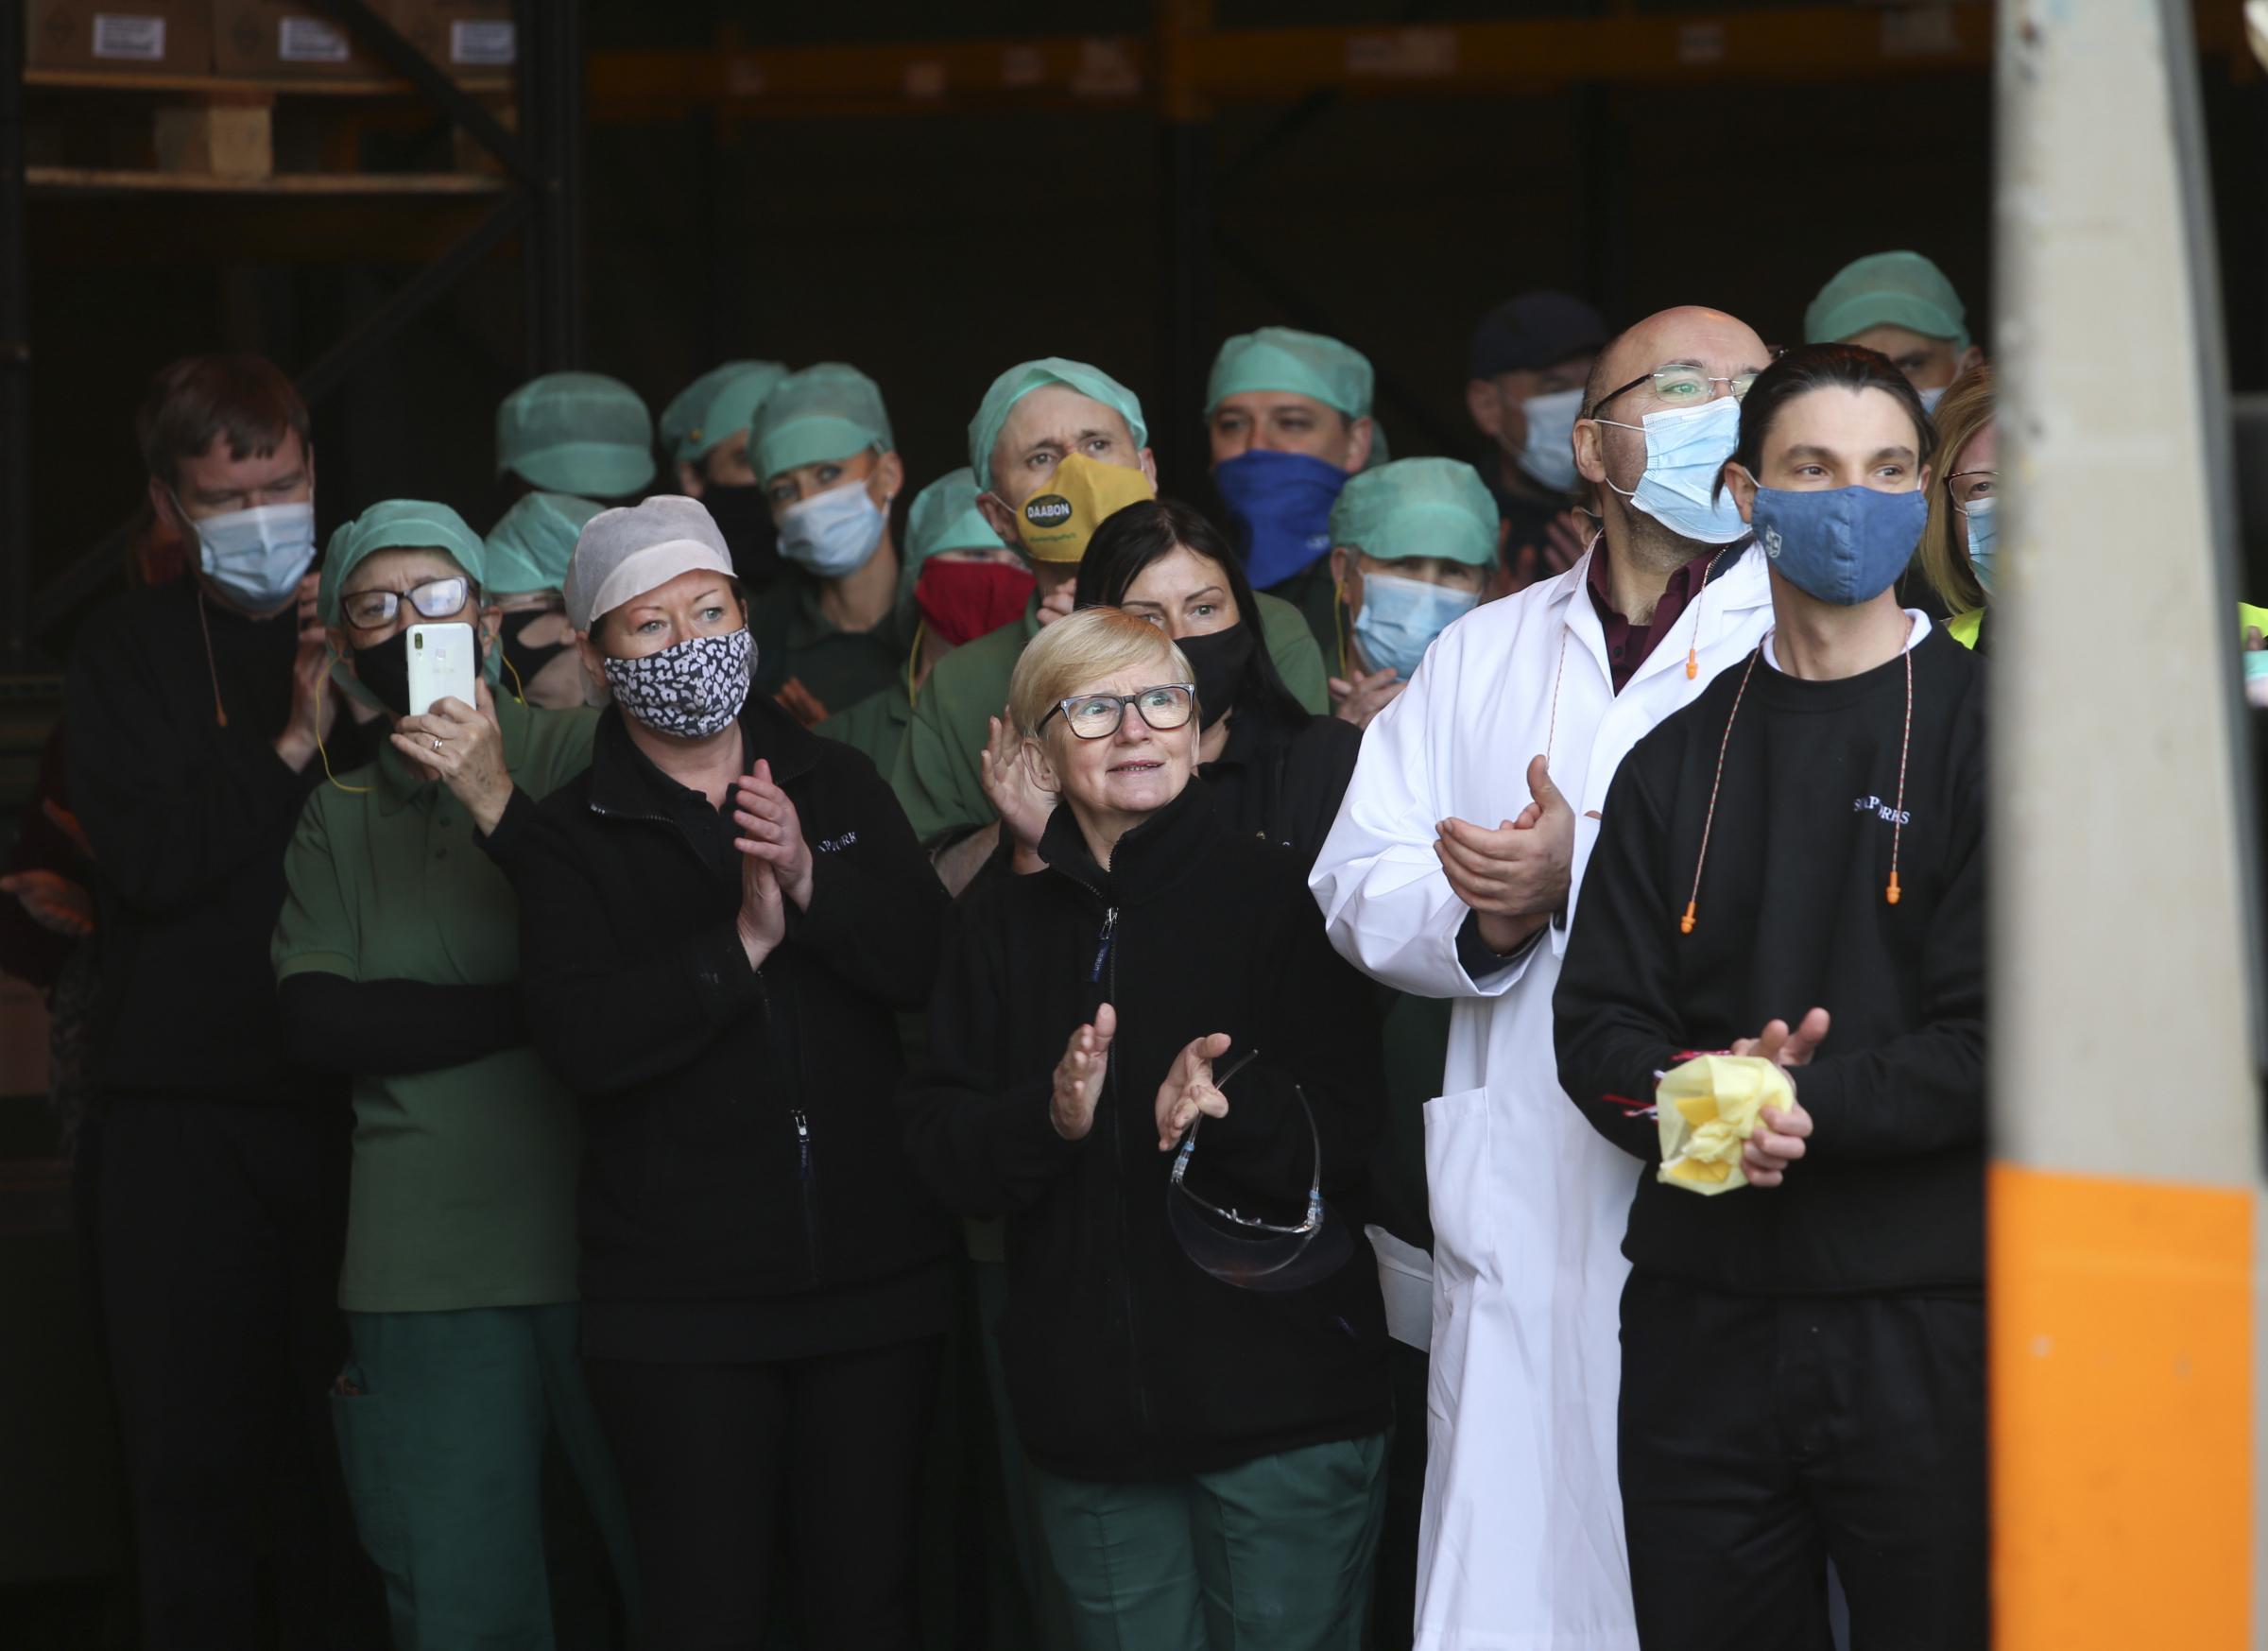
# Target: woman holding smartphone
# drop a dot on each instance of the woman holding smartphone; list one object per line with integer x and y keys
{"x": 397, "y": 955}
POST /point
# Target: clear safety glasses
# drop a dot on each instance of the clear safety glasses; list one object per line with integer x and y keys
{"x": 1972, "y": 491}
{"x": 1251, "y": 1251}
{"x": 1683, "y": 385}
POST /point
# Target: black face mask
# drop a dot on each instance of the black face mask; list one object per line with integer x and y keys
{"x": 523, "y": 659}
{"x": 744, "y": 516}
{"x": 383, "y": 669}
{"x": 1219, "y": 661}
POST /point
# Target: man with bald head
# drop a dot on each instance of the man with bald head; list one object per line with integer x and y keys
{"x": 1453, "y": 873}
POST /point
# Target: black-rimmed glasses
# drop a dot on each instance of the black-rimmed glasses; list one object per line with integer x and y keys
{"x": 434, "y": 599}
{"x": 1096, "y": 716}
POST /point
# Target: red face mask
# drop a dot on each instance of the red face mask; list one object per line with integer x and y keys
{"x": 964, "y": 601}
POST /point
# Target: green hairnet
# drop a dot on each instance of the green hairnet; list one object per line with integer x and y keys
{"x": 1292, "y": 363}
{"x": 944, "y": 517}
{"x": 1893, "y": 289}
{"x": 1020, "y": 380}
{"x": 1417, "y": 506}
{"x": 396, "y": 525}
{"x": 529, "y": 546}
{"x": 580, "y": 433}
{"x": 715, "y": 404}
{"x": 823, "y": 413}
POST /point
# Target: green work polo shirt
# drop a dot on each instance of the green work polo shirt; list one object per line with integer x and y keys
{"x": 935, "y": 773}
{"x": 794, "y": 640}
{"x": 876, "y": 725}
{"x": 464, "y": 1180}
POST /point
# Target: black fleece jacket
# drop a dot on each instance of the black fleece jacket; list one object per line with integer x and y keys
{"x": 1124, "y": 1360}
{"x": 189, "y": 819}
{"x": 1792, "y": 915}
{"x": 740, "y": 1141}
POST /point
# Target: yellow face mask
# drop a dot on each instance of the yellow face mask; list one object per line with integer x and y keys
{"x": 1056, "y": 522}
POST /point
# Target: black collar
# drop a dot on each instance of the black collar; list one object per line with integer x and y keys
{"x": 1149, "y": 859}
{"x": 624, "y": 779}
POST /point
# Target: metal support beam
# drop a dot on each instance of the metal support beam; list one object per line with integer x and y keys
{"x": 385, "y": 43}
{"x": 551, "y": 114}
{"x": 15, "y": 354}
{"x": 1185, "y": 332}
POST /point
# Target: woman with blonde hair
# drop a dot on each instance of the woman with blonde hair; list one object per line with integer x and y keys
{"x": 1147, "y": 1057}
{"x": 1958, "y": 542}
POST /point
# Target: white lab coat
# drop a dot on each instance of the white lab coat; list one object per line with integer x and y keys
{"x": 1521, "y": 1539}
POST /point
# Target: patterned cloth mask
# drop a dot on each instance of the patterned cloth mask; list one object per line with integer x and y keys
{"x": 689, "y": 690}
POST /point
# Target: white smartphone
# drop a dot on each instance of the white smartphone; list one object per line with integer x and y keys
{"x": 443, "y": 659}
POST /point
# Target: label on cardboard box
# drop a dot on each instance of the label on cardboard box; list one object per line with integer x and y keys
{"x": 138, "y": 39}
{"x": 484, "y": 42}
{"x": 309, "y": 40}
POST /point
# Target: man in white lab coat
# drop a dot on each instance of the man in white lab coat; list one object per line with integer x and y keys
{"x": 1452, "y": 872}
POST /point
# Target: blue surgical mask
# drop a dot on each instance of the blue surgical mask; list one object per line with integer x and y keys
{"x": 833, "y": 533}
{"x": 1984, "y": 535}
{"x": 1401, "y": 618}
{"x": 1685, "y": 447}
{"x": 1930, "y": 398}
{"x": 256, "y": 557}
{"x": 1280, "y": 504}
{"x": 1844, "y": 545}
{"x": 1548, "y": 453}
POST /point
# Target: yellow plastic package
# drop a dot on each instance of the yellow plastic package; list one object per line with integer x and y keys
{"x": 1706, "y": 1110}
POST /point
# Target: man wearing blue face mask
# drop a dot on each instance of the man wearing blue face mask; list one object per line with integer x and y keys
{"x": 1523, "y": 388}
{"x": 828, "y": 634}
{"x": 195, "y": 711}
{"x": 1453, "y": 873}
{"x": 1412, "y": 547}
{"x": 1793, "y": 868}
{"x": 1288, "y": 416}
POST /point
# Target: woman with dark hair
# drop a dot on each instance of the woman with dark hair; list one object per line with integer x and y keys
{"x": 1275, "y": 769}
{"x": 1792, "y": 869}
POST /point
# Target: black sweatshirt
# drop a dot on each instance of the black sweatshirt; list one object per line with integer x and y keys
{"x": 189, "y": 821}
{"x": 1124, "y": 1359}
{"x": 1791, "y": 914}
{"x": 740, "y": 1142}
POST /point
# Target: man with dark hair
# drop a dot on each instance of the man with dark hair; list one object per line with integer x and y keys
{"x": 1523, "y": 379}
{"x": 198, "y": 717}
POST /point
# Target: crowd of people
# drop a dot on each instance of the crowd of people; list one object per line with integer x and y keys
{"x": 1217, "y": 972}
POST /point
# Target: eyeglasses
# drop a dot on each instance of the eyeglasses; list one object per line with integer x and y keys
{"x": 1245, "y": 1250}
{"x": 1972, "y": 491}
{"x": 1680, "y": 387}
{"x": 438, "y": 599}
{"x": 1096, "y": 716}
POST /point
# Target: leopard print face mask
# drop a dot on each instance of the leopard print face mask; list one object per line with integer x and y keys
{"x": 689, "y": 690}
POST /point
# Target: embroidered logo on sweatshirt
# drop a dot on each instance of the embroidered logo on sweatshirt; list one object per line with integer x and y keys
{"x": 1887, "y": 813}
{"x": 836, "y": 845}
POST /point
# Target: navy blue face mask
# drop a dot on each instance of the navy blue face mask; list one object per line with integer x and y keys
{"x": 1280, "y": 505}
{"x": 1844, "y": 545}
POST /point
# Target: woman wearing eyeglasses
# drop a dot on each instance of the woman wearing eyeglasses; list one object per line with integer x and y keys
{"x": 1206, "y": 1458}
{"x": 397, "y": 957}
{"x": 1276, "y": 770}
{"x": 1957, "y": 545}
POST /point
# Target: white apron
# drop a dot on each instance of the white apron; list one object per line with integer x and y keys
{"x": 1521, "y": 1539}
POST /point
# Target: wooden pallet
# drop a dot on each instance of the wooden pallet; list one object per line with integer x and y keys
{"x": 216, "y": 134}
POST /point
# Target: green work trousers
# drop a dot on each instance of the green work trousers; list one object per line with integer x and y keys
{"x": 1273, "y": 1555}
{"x": 442, "y": 1436}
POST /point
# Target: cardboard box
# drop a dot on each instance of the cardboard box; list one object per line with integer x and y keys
{"x": 135, "y": 36}
{"x": 287, "y": 39}
{"x": 472, "y": 39}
